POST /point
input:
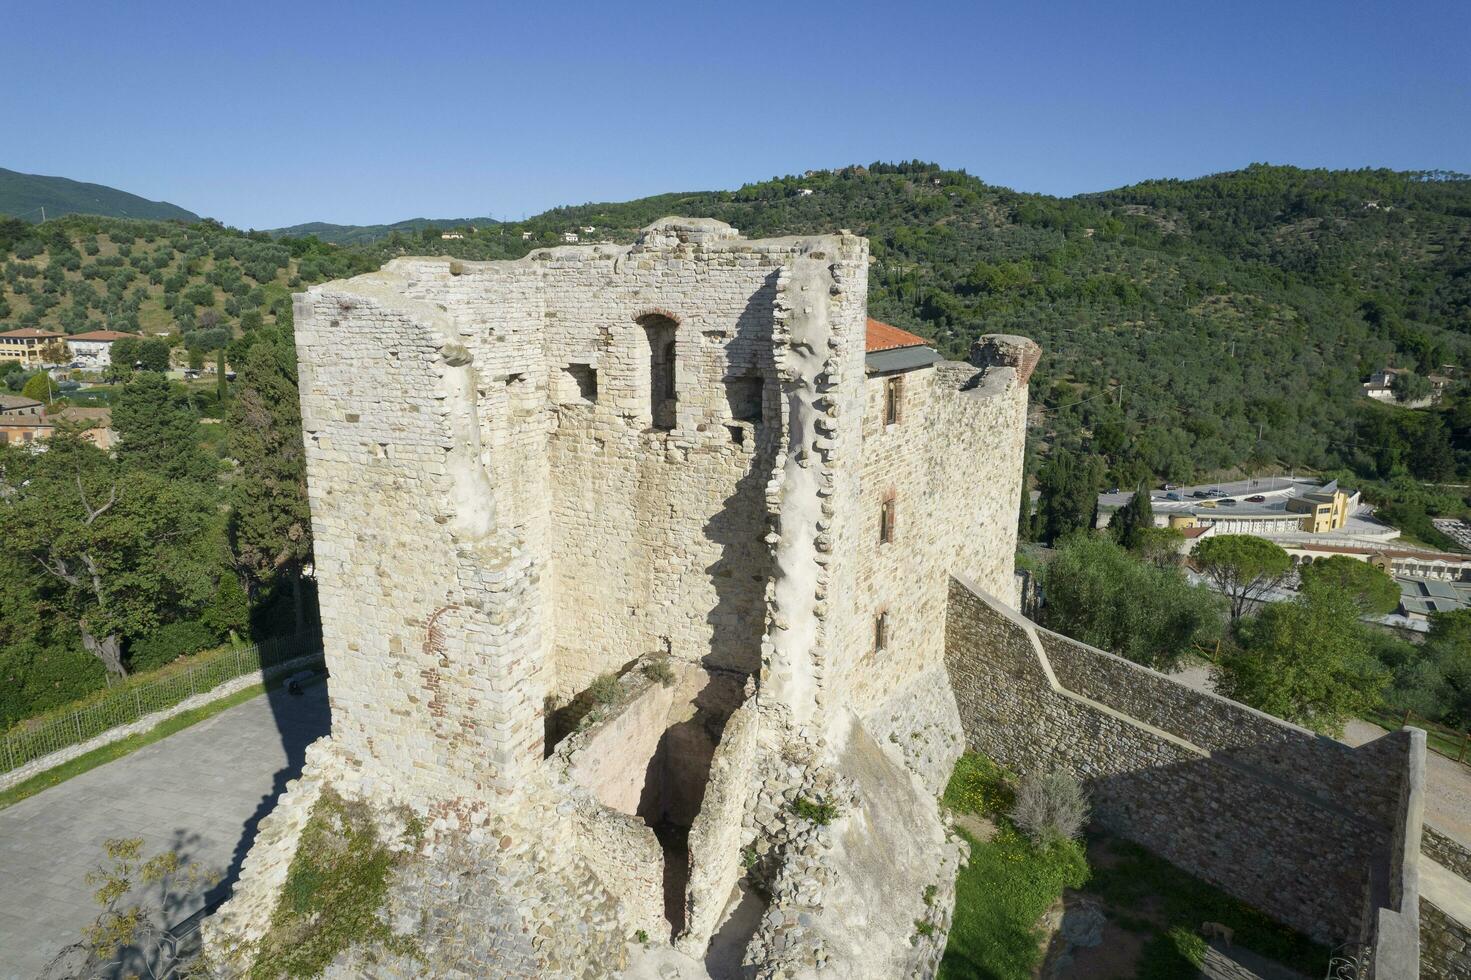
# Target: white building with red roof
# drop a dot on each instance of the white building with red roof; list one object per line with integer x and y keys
{"x": 94, "y": 348}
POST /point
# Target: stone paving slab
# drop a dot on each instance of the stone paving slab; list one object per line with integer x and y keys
{"x": 199, "y": 792}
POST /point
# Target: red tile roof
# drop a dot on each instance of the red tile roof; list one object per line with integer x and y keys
{"x": 1193, "y": 532}
{"x": 30, "y": 333}
{"x": 107, "y": 335}
{"x": 881, "y": 336}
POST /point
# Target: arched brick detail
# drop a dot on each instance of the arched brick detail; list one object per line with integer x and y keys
{"x": 659, "y": 311}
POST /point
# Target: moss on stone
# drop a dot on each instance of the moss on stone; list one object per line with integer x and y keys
{"x": 335, "y": 891}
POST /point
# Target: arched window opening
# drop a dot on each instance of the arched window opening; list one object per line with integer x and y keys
{"x": 663, "y": 396}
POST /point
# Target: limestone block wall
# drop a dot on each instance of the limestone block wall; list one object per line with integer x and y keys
{"x": 429, "y": 611}
{"x": 716, "y": 837}
{"x": 952, "y": 465}
{"x": 1271, "y": 814}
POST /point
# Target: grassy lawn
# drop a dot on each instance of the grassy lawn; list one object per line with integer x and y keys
{"x": 1007, "y": 886}
{"x": 116, "y": 750}
{"x": 1010, "y": 883}
{"x": 1435, "y": 740}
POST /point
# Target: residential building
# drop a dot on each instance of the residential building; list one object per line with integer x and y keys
{"x": 93, "y": 349}
{"x": 25, "y": 429}
{"x": 26, "y": 345}
{"x": 1380, "y": 387}
{"x": 12, "y": 406}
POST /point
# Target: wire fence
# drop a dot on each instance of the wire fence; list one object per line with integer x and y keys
{"x": 132, "y": 700}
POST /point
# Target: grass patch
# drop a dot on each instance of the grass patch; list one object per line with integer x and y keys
{"x": 1008, "y": 884}
{"x": 978, "y": 785}
{"x": 1179, "y": 902}
{"x": 116, "y": 750}
{"x": 335, "y": 887}
{"x": 1000, "y": 896}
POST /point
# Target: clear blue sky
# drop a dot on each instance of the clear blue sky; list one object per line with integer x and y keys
{"x": 263, "y": 114}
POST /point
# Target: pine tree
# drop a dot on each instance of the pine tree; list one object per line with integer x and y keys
{"x": 1129, "y": 520}
{"x": 270, "y": 522}
{"x": 156, "y": 431}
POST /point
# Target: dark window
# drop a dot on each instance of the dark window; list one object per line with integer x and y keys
{"x": 893, "y": 389}
{"x": 886, "y": 521}
{"x": 660, "y": 331}
{"x": 744, "y": 395}
{"x": 582, "y": 384}
{"x": 881, "y": 632}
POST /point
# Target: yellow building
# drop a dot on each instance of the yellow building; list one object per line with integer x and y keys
{"x": 1324, "y": 510}
{"x": 26, "y": 345}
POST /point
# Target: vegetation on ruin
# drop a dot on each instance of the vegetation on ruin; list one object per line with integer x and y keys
{"x": 1006, "y": 886}
{"x": 820, "y": 812}
{"x": 335, "y": 890}
{"x": 1011, "y": 882}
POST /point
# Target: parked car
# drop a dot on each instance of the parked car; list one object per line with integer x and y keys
{"x": 1228, "y": 502}
{"x": 1172, "y": 496}
{"x": 1256, "y": 499}
{"x": 1170, "y": 486}
{"x": 1200, "y": 493}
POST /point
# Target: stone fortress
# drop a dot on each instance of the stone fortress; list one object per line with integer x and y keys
{"x": 649, "y": 578}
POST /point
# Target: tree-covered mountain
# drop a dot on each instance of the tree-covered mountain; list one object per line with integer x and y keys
{"x": 27, "y": 195}
{"x": 363, "y": 234}
{"x": 1191, "y": 326}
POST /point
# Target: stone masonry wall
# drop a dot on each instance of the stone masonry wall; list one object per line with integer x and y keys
{"x": 952, "y": 464}
{"x": 429, "y": 611}
{"x": 1447, "y": 852}
{"x": 1292, "y": 835}
{"x": 1445, "y": 945}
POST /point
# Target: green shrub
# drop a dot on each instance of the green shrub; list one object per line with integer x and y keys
{"x": 659, "y": 670}
{"x": 604, "y": 689}
{"x": 819, "y": 812}
{"x": 169, "y": 642}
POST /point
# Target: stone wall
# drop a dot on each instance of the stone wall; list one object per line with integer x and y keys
{"x": 1445, "y": 945}
{"x": 1279, "y": 817}
{"x": 952, "y": 464}
{"x": 1446, "y": 852}
{"x": 716, "y": 839}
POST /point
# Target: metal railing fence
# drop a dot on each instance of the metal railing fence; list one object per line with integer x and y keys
{"x": 132, "y": 700}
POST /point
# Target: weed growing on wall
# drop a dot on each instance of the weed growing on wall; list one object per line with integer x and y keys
{"x": 335, "y": 889}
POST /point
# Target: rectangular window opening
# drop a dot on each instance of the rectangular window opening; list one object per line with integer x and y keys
{"x": 881, "y": 632}
{"x": 886, "y": 521}
{"x": 744, "y": 395}
{"x": 893, "y": 389}
{"x": 580, "y": 385}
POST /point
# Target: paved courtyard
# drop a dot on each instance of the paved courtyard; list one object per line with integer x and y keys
{"x": 200, "y": 792}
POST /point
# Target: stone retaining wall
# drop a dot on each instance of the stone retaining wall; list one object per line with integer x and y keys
{"x": 1447, "y": 852}
{"x": 1445, "y": 945}
{"x": 1270, "y": 813}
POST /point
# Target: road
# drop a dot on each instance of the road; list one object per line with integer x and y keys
{"x": 199, "y": 792}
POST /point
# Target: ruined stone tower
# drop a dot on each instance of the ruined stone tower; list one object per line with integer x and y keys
{"x": 623, "y": 552}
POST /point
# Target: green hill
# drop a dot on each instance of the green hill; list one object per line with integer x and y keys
{"x": 363, "y": 234}
{"x": 1191, "y": 326}
{"x": 25, "y": 195}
